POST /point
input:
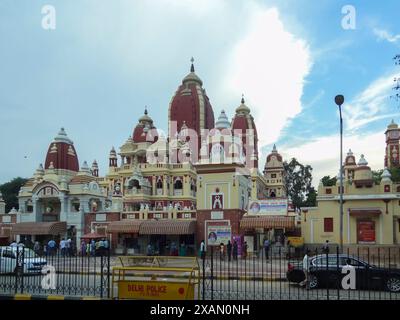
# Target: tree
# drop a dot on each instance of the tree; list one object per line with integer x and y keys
{"x": 311, "y": 200}
{"x": 377, "y": 176}
{"x": 395, "y": 173}
{"x": 10, "y": 192}
{"x": 298, "y": 182}
{"x": 327, "y": 181}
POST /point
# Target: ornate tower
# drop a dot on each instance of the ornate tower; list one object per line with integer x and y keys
{"x": 274, "y": 173}
{"x": 113, "y": 158}
{"x": 392, "y": 146}
{"x": 243, "y": 126}
{"x": 95, "y": 169}
{"x": 190, "y": 105}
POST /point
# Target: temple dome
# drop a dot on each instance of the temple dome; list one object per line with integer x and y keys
{"x": 62, "y": 154}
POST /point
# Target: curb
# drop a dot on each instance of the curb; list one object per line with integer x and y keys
{"x": 19, "y": 296}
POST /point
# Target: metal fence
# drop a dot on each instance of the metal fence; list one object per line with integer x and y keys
{"x": 57, "y": 273}
{"x": 279, "y": 273}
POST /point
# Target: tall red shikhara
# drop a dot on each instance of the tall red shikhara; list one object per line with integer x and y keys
{"x": 190, "y": 107}
{"x": 61, "y": 153}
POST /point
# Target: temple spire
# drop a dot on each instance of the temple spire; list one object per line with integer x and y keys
{"x": 242, "y": 101}
{"x": 192, "y": 66}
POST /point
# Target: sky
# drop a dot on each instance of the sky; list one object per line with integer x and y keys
{"x": 106, "y": 60}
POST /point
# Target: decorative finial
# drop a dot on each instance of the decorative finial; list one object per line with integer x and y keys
{"x": 192, "y": 66}
{"x": 145, "y": 110}
{"x": 242, "y": 101}
{"x": 274, "y": 148}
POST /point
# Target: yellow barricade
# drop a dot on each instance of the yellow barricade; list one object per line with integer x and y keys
{"x": 156, "y": 278}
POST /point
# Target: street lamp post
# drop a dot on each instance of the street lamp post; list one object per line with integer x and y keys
{"x": 339, "y": 99}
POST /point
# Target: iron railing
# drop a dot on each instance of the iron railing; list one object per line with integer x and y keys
{"x": 281, "y": 276}
{"x": 57, "y": 273}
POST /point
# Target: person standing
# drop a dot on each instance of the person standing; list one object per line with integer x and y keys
{"x": 222, "y": 251}
{"x": 182, "y": 249}
{"x": 83, "y": 248}
{"x": 266, "y": 248}
{"x": 325, "y": 248}
{"x": 149, "y": 249}
{"x": 244, "y": 250}
{"x": 306, "y": 270}
{"x": 235, "y": 250}
{"x": 92, "y": 247}
{"x": 62, "y": 246}
{"x": 229, "y": 250}
{"x": 106, "y": 244}
{"x": 202, "y": 249}
{"x": 51, "y": 245}
{"x": 36, "y": 247}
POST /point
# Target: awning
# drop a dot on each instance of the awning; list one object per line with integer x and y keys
{"x": 124, "y": 226}
{"x": 365, "y": 212}
{"x": 267, "y": 222}
{"x": 39, "y": 228}
{"x": 175, "y": 227}
{"x": 92, "y": 236}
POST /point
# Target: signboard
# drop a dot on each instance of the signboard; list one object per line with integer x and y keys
{"x": 268, "y": 207}
{"x": 217, "y": 215}
{"x": 296, "y": 241}
{"x": 155, "y": 290}
{"x": 218, "y": 234}
{"x": 366, "y": 231}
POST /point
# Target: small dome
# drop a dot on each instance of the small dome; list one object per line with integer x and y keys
{"x": 222, "y": 122}
{"x": 62, "y": 137}
{"x": 243, "y": 108}
{"x": 85, "y": 167}
{"x": 393, "y": 125}
{"x": 113, "y": 154}
{"x": 95, "y": 165}
{"x": 350, "y": 159}
{"x": 386, "y": 176}
{"x": 140, "y": 133}
{"x": 362, "y": 161}
{"x": 192, "y": 76}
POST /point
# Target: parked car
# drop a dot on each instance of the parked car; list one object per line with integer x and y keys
{"x": 323, "y": 274}
{"x": 31, "y": 262}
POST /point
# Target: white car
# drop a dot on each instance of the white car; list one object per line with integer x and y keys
{"x": 32, "y": 263}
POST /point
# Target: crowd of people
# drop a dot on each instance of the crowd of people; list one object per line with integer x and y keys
{"x": 230, "y": 250}
{"x": 66, "y": 247}
{"x": 93, "y": 248}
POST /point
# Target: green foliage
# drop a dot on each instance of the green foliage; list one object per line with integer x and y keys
{"x": 327, "y": 181}
{"x": 298, "y": 183}
{"x": 311, "y": 200}
{"x": 395, "y": 173}
{"x": 10, "y": 192}
{"x": 377, "y": 176}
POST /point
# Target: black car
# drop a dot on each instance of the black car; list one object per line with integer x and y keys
{"x": 323, "y": 274}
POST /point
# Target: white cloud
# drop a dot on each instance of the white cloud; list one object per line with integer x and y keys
{"x": 269, "y": 66}
{"x": 385, "y": 35}
{"x": 323, "y": 153}
{"x": 370, "y": 105}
